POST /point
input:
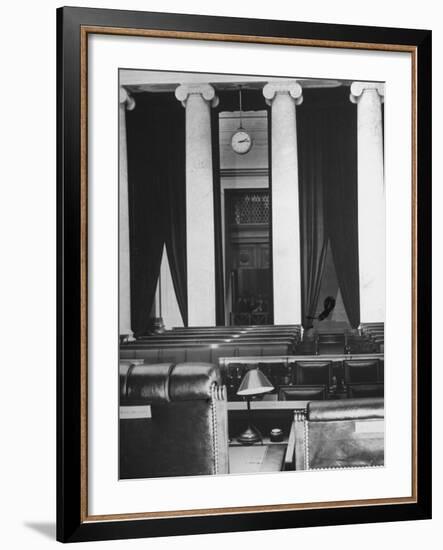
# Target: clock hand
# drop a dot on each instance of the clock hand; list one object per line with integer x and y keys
{"x": 243, "y": 140}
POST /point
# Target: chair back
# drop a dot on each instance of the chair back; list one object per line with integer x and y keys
{"x": 357, "y": 370}
{"x": 313, "y": 372}
{"x": 340, "y": 434}
{"x": 187, "y": 430}
{"x": 366, "y": 390}
{"x": 302, "y": 393}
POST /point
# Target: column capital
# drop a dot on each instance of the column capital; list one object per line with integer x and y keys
{"x": 358, "y": 88}
{"x": 206, "y": 91}
{"x": 126, "y": 99}
{"x": 291, "y": 87}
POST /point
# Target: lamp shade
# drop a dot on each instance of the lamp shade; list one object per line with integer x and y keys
{"x": 254, "y": 383}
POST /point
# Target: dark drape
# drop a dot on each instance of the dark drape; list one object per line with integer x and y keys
{"x": 327, "y": 141}
{"x": 341, "y": 199}
{"x": 174, "y": 144}
{"x": 146, "y": 204}
{"x": 157, "y": 211}
{"x": 313, "y": 236}
{"x": 218, "y": 241}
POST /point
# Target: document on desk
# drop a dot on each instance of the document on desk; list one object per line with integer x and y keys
{"x": 259, "y": 458}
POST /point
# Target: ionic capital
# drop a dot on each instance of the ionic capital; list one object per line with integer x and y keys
{"x": 293, "y": 88}
{"x": 126, "y": 99}
{"x": 206, "y": 91}
{"x": 358, "y": 88}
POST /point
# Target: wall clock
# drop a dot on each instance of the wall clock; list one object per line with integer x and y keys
{"x": 241, "y": 141}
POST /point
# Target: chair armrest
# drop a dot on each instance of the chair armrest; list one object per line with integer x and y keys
{"x": 290, "y": 450}
{"x": 299, "y": 437}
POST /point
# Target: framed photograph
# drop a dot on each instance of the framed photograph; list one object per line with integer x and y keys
{"x": 244, "y": 274}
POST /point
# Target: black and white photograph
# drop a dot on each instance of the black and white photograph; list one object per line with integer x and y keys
{"x": 252, "y": 274}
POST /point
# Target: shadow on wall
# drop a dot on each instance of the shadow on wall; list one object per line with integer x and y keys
{"x": 46, "y": 529}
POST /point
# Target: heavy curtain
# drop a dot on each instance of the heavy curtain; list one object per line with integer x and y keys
{"x": 313, "y": 234}
{"x": 173, "y": 142}
{"x": 157, "y": 205}
{"x": 341, "y": 200}
{"x": 327, "y": 144}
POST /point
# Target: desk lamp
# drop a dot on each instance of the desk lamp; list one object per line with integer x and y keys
{"x": 253, "y": 383}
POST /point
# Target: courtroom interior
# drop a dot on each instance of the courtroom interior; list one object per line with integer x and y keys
{"x": 251, "y": 274}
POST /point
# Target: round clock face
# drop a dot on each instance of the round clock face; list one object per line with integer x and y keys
{"x": 241, "y": 142}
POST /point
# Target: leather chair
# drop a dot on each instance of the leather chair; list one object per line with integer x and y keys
{"x": 366, "y": 390}
{"x": 339, "y": 434}
{"x": 187, "y": 433}
{"x": 301, "y": 393}
{"x": 361, "y": 371}
{"x": 279, "y": 373}
{"x": 313, "y": 372}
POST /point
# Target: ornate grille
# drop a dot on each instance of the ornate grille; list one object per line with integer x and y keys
{"x": 250, "y": 207}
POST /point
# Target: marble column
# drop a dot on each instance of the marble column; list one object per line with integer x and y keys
{"x": 126, "y": 103}
{"x": 371, "y": 200}
{"x": 197, "y": 100}
{"x": 283, "y": 98}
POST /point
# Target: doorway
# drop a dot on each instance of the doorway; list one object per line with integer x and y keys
{"x": 248, "y": 256}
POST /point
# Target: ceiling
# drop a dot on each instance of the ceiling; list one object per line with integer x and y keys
{"x": 167, "y": 81}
